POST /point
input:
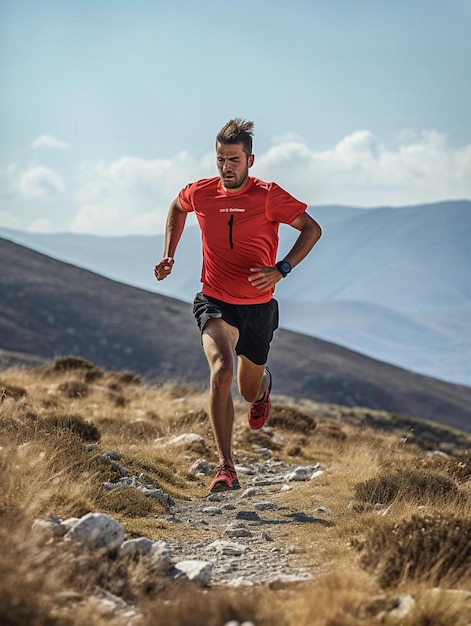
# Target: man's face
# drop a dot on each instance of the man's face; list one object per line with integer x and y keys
{"x": 233, "y": 165}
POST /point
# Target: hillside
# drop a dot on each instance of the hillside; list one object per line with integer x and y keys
{"x": 50, "y": 308}
{"x": 342, "y": 519}
{"x": 391, "y": 283}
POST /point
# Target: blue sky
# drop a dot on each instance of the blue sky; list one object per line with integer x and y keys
{"x": 108, "y": 107}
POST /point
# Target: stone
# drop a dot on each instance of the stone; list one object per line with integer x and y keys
{"x": 201, "y": 466}
{"x": 141, "y": 545}
{"x": 51, "y": 525}
{"x": 228, "y": 548}
{"x": 266, "y": 506}
{"x": 212, "y": 510}
{"x": 160, "y": 556}
{"x": 234, "y": 533}
{"x": 97, "y": 530}
{"x": 186, "y": 439}
{"x": 299, "y": 473}
{"x": 198, "y": 571}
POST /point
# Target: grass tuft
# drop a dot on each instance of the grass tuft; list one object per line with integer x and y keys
{"x": 435, "y": 548}
{"x": 415, "y": 485}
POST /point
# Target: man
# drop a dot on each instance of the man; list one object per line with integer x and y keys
{"x": 239, "y": 217}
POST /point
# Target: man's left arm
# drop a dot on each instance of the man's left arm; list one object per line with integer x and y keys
{"x": 309, "y": 234}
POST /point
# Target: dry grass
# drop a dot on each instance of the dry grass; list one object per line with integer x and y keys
{"x": 390, "y": 518}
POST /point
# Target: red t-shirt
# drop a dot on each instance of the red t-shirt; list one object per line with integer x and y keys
{"x": 239, "y": 231}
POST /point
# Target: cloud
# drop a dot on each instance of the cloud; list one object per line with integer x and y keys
{"x": 361, "y": 171}
{"x": 131, "y": 195}
{"x": 48, "y": 142}
{"x": 39, "y": 183}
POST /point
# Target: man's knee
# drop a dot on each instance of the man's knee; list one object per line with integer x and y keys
{"x": 222, "y": 372}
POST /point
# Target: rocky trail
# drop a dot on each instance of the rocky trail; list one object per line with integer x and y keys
{"x": 248, "y": 539}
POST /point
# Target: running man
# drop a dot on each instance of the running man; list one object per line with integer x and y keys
{"x": 239, "y": 216}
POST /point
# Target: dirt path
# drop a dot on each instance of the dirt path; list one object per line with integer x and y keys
{"x": 248, "y": 536}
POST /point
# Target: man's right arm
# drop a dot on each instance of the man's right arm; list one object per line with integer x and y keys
{"x": 176, "y": 219}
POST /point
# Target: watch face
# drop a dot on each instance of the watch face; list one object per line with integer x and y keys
{"x": 284, "y": 267}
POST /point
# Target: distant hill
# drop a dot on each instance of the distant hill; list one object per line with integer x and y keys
{"x": 50, "y": 308}
{"x": 391, "y": 283}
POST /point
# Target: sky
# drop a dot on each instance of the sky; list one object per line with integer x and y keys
{"x": 109, "y": 107}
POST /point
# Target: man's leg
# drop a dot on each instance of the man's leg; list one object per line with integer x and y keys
{"x": 219, "y": 340}
{"x": 255, "y": 385}
{"x": 252, "y": 379}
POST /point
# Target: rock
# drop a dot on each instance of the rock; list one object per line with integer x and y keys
{"x": 264, "y": 452}
{"x": 234, "y": 533}
{"x": 142, "y": 545}
{"x": 228, "y": 506}
{"x": 112, "y": 455}
{"x": 266, "y": 506}
{"x": 199, "y": 571}
{"x": 97, "y": 530}
{"x": 187, "y": 439}
{"x": 160, "y": 556}
{"x": 148, "y": 490}
{"x": 159, "y": 494}
{"x": 228, "y": 548}
{"x": 250, "y": 492}
{"x": 249, "y": 516}
{"x": 70, "y": 522}
{"x": 51, "y": 525}
{"x": 201, "y": 466}
{"x": 212, "y": 510}
{"x": 316, "y": 473}
{"x": 299, "y": 473}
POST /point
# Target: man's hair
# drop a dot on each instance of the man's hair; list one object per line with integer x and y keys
{"x": 237, "y": 131}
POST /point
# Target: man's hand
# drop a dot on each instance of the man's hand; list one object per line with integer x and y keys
{"x": 163, "y": 268}
{"x": 264, "y": 278}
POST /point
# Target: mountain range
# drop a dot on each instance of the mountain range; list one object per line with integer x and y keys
{"x": 50, "y": 308}
{"x": 393, "y": 283}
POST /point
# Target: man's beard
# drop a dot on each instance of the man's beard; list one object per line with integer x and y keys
{"x": 233, "y": 183}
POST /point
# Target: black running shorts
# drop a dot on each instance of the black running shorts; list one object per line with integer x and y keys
{"x": 256, "y": 323}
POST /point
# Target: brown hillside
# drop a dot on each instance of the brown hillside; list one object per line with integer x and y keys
{"x": 50, "y": 308}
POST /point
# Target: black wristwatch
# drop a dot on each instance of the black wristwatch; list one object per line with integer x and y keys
{"x": 283, "y": 267}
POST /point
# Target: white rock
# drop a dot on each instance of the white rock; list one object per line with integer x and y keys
{"x": 299, "y": 473}
{"x": 199, "y": 571}
{"x": 201, "y": 466}
{"x": 186, "y": 439}
{"x": 160, "y": 556}
{"x": 97, "y": 530}
{"x": 316, "y": 473}
{"x": 141, "y": 545}
{"x": 228, "y": 548}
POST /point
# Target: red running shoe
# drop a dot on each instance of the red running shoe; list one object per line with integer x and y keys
{"x": 259, "y": 411}
{"x": 226, "y": 477}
